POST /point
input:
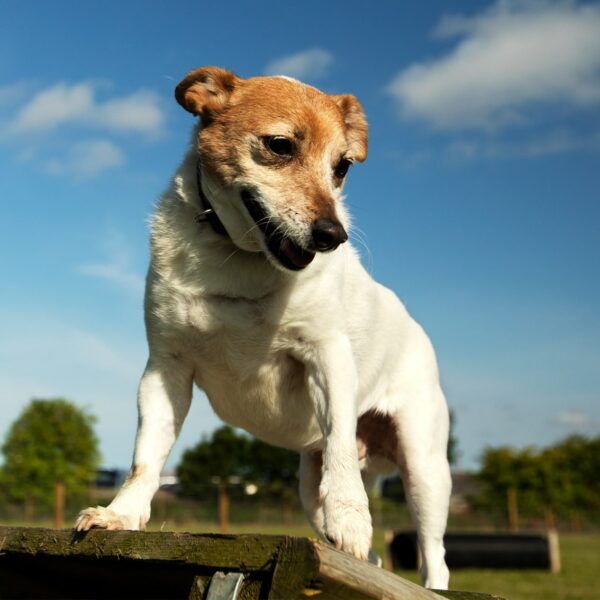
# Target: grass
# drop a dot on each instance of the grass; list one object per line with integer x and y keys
{"x": 577, "y": 581}
{"x": 580, "y": 555}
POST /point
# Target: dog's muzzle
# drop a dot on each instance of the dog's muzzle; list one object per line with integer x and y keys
{"x": 327, "y": 235}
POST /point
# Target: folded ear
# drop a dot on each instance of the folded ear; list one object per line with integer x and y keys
{"x": 206, "y": 91}
{"x": 357, "y": 130}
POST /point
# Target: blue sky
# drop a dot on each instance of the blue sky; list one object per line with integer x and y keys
{"x": 478, "y": 204}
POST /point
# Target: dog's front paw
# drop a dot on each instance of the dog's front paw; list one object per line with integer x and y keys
{"x": 104, "y": 518}
{"x": 348, "y": 522}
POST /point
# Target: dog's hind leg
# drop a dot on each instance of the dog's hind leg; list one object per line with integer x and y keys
{"x": 371, "y": 470}
{"x": 311, "y": 465}
{"x": 415, "y": 441}
{"x": 164, "y": 397}
{"x": 422, "y": 458}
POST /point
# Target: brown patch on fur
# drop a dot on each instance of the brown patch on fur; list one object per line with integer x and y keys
{"x": 205, "y": 91}
{"x": 238, "y": 114}
{"x": 358, "y": 131}
{"x": 264, "y": 106}
{"x": 376, "y": 433}
{"x": 321, "y": 206}
{"x": 316, "y": 459}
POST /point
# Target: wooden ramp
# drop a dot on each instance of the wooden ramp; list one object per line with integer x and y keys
{"x": 51, "y": 563}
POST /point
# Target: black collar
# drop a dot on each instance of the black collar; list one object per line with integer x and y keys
{"x": 208, "y": 213}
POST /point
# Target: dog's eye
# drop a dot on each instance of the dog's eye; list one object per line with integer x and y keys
{"x": 279, "y": 145}
{"x": 341, "y": 168}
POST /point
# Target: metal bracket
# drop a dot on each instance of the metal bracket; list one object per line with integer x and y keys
{"x": 225, "y": 586}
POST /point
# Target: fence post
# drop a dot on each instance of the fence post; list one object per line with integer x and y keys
{"x": 554, "y": 550}
{"x": 513, "y": 509}
{"x": 223, "y": 508}
{"x": 59, "y": 504}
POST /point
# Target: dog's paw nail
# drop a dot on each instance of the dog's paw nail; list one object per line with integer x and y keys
{"x": 100, "y": 518}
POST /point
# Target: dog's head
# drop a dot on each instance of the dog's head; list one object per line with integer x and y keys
{"x": 274, "y": 155}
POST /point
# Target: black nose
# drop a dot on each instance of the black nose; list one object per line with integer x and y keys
{"x": 328, "y": 234}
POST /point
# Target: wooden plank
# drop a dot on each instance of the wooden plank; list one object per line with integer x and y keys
{"x": 309, "y": 569}
{"x": 225, "y": 552}
{"x": 142, "y": 565}
{"x": 158, "y": 564}
{"x": 338, "y": 570}
{"x": 296, "y": 570}
{"x": 198, "y": 588}
{"x": 457, "y": 595}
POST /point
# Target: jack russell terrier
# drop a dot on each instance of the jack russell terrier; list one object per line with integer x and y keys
{"x": 254, "y": 294}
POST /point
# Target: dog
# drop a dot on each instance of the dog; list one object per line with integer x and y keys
{"x": 255, "y": 294}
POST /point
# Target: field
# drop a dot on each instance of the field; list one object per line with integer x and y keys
{"x": 580, "y": 556}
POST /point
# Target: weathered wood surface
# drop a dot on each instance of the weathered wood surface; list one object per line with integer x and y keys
{"x": 455, "y": 595}
{"x": 126, "y": 564}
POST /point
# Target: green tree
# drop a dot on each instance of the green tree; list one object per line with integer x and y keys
{"x": 213, "y": 460}
{"x": 227, "y": 458}
{"x": 453, "y": 452}
{"x": 507, "y": 470}
{"x": 559, "y": 479}
{"x": 230, "y": 456}
{"x": 274, "y": 469}
{"x": 572, "y": 467}
{"x": 52, "y": 440}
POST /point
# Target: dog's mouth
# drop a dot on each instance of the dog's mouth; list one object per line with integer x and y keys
{"x": 289, "y": 254}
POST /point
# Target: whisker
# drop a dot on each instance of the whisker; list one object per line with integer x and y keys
{"x": 234, "y": 252}
{"x": 255, "y": 226}
{"x": 358, "y": 235}
{"x": 266, "y": 219}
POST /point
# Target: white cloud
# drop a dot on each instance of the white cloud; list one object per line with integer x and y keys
{"x": 43, "y": 357}
{"x": 64, "y": 104}
{"x": 552, "y": 143}
{"x": 117, "y": 273}
{"x": 310, "y": 64}
{"x": 87, "y": 159}
{"x": 53, "y": 107}
{"x": 556, "y": 142}
{"x": 117, "y": 269}
{"x": 514, "y": 56}
{"x": 51, "y": 122}
{"x": 139, "y": 112}
{"x": 46, "y": 346}
{"x": 577, "y": 419}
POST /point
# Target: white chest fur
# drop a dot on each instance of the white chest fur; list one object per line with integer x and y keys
{"x": 247, "y": 363}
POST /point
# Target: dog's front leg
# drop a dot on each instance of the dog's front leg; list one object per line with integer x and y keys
{"x": 333, "y": 387}
{"x": 164, "y": 397}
